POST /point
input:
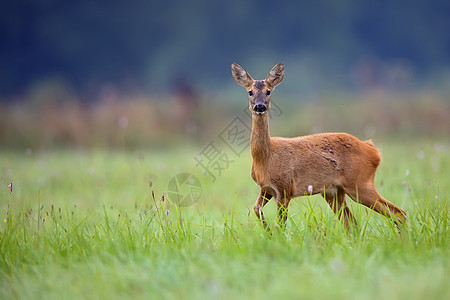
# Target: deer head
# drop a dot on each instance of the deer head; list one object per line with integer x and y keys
{"x": 259, "y": 91}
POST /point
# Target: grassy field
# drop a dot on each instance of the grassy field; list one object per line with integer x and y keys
{"x": 97, "y": 225}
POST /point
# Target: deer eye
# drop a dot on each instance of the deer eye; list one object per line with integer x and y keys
{"x": 268, "y": 93}
{"x": 250, "y": 93}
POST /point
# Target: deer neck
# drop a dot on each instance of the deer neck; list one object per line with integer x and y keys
{"x": 260, "y": 140}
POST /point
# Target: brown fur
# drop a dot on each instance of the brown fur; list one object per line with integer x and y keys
{"x": 334, "y": 164}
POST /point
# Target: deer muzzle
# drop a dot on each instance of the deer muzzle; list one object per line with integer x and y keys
{"x": 260, "y": 107}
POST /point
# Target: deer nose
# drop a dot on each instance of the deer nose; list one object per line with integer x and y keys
{"x": 259, "y": 108}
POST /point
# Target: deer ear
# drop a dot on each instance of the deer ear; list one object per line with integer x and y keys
{"x": 241, "y": 76}
{"x": 275, "y": 75}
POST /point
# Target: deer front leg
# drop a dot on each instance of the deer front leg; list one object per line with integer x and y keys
{"x": 262, "y": 200}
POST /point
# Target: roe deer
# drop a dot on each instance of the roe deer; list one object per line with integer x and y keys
{"x": 332, "y": 164}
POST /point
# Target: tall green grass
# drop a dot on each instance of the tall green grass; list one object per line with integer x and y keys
{"x": 98, "y": 225}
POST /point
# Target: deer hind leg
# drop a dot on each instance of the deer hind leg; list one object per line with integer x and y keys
{"x": 282, "y": 210}
{"x": 262, "y": 200}
{"x": 336, "y": 200}
{"x": 367, "y": 195}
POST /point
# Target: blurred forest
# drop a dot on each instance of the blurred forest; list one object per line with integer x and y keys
{"x": 70, "y": 64}
{"x": 149, "y": 44}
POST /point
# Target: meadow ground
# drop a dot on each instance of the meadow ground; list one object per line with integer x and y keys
{"x": 93, "y": 225}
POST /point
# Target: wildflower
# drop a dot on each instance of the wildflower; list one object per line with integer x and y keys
{"x": 420, "y": 154}
{"x": 167, "y": 212}
{"x": 310, "y": 189}
{"x": 10, "y": 186}
{"x": 407, "y": 172}
{"x": 91, "y": 171}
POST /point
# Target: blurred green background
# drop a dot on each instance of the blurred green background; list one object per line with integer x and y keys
{"x": 104, "y": 103}
{"x": 139, "y": 74}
